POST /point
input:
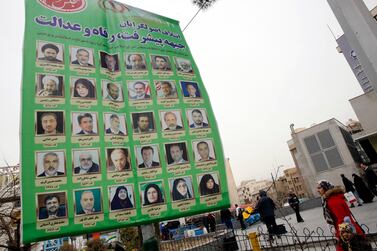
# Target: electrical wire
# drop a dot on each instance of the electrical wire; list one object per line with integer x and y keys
{"x": 201, "y": 7}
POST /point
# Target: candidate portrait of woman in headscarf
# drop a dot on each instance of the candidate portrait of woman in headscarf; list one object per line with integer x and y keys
{"x": 121, "y": 199}
{"x": 152, "y": 195}
{"x": 181, "y": 190}
{"x": 208, "y": 185}
{"x": 83, "y": 88}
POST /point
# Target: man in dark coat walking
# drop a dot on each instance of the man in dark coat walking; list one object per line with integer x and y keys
{"x": 294, "y": 202}
{"x": 226, "y": 218}
{"x": 349, "y": 186}
{"x": 371, "y": 177}
{"x": 365, "y": 194}
{"x": 266, "y": 208}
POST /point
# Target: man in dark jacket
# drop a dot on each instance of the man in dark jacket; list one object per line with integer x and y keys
{"x": 226, "y": 218}
{"x": 294, "y": 202}
{"x": 348, "y": 185}
{"x": 266, "y": 208}
{"x": 371, "y": 177}
{"x": 239, "y": 216}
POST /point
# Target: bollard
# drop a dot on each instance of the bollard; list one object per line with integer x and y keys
{"x": 254, "y": 242}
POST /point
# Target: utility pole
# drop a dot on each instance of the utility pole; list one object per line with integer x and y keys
{"x": 360, "y": 30}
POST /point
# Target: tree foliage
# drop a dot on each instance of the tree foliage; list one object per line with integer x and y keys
{"x": 67, "y": 247}
{"x": 204, "y": 4}
{"x": 95, "y": 245}
{"x": 130, "y": 237}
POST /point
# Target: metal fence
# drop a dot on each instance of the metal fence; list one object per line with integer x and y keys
{"x": 312, "y": 240}
{"x": 223, "y": 239}
{"x": 219, "y": 240}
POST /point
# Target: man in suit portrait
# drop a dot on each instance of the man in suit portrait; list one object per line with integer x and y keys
{"x": 203, "y": 150}
{"x": 171, "y": 121}
{"x": 114, "y": 125}
{"x": 111, "y": 63}
{"x": 120, "y": 160}
{"x": 50, "y": 87}
{"x": 82, "y": 58}
{"x": 184, "y": 65}
{"x": 176, "y": 154}
{"x": 161, "y": 63}
{"x": 50, "y": 52}
{"x": 143, "y": 124}
{"x": 197, "y": 117}
{"x": 147, "y": 153}
{"x": 140, "y": 91}
{"x": 49, "y": 122}
{"x": 86, "y": 124}
{"x": 113, "y": 92}
{"x": 52, "y": 208}
{"x": 87, "y": 202}
{"x": 87, "y": 165}
{"x": 167, "y": 90}
{"x": 136, "y": 62}
{"x": 50, "y": 165}
{"x": 192, "y": 91}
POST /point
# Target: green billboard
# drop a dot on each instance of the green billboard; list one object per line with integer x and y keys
{"x": 117, "y": 128}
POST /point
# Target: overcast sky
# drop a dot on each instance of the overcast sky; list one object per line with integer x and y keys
{"x": 265, "y": 64}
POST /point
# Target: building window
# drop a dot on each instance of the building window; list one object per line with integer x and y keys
{"x": 323, "y": 151}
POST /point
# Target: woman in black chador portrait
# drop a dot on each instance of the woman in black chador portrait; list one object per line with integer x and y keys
{"x": 121, "y": 199}
{"x": 208, "y": 185}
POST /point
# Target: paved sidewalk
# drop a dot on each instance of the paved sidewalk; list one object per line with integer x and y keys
{"x": 366, "y": 214}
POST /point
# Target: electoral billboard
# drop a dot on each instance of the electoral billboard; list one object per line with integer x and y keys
{"x": 117, "y": 127}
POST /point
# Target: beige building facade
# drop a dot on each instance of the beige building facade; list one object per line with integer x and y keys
{"x": 323, "y": 151}
{"x": 248, "y": 191}
{"x": 232, "y": 188}
{"x": 365, "y": 107}
{"x": 295, "y": 182}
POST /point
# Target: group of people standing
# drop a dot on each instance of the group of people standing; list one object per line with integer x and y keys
{"x": 349, "y": 234}
{"x": 364, "y": 192}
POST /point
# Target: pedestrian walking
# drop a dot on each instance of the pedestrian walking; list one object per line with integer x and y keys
{"x": 294, "y": 202}
{"x": 365, "y": 194}
{"x": 226, "y": 218}
{"x": 266, "y": 208}
{"x": 348, "y": 185}
{"x": 239, "y": 216}
{"x": 211, "y": 222}
{"x": 371, "y": 178}
{"x": 205, "y": 223}
{"x": 335, "y": 208}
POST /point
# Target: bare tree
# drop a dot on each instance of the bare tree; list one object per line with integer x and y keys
{"x": 9, "y": 208}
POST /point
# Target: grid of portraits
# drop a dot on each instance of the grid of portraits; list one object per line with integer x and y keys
{"x": 134, "y": 115}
